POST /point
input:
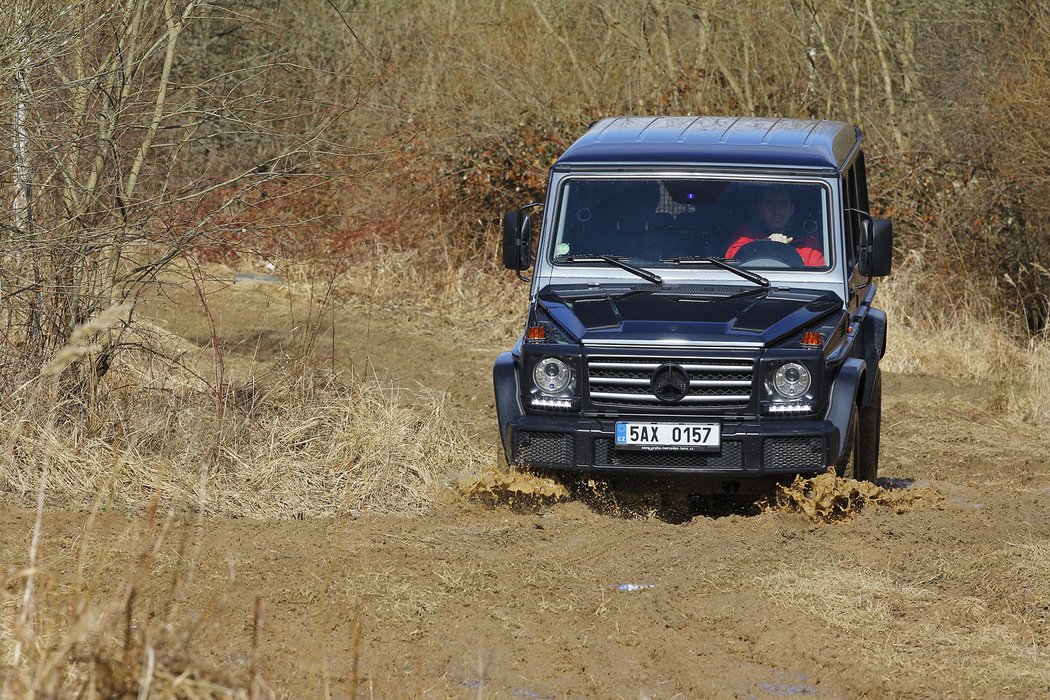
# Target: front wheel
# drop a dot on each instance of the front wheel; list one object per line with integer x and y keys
{"x": 870, "y": 430}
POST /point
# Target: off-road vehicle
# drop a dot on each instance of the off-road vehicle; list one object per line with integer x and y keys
{"x": 700, "y": 305}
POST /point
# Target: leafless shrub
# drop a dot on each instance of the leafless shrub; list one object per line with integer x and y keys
{"x": 140, "y": 131}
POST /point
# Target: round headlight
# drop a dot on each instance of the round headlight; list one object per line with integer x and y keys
{"x": 791, "y": 380}
{"x": 551, "y": 375}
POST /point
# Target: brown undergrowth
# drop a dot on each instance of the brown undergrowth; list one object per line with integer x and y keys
{"x": 953, "y": 331}
{"x": 283, "y": 438}
{"x": 350, "y": 446}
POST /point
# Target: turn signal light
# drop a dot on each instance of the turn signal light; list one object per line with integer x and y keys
{"x": 535, "y": 334}
{"x": 812, "y": 339}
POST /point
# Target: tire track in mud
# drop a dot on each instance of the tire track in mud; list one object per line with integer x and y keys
{"x": 737, "y": 605}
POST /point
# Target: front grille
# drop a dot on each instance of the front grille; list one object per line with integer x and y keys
{"x": 536, "y": 448}
{"x": 606, "y": 455}
{"x": 714, "y": 383}
{"x": 793, "y": 453}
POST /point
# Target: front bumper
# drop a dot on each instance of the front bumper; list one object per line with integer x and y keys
{"x": 748, "y": 448}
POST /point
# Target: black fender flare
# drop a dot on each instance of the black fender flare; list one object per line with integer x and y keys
{"x": 874, "y": 339}
{"x": 505, "y": 384}
{"x": 844, "y": 392}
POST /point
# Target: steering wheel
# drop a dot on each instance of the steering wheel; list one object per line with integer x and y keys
{"x": 767, "y": 253}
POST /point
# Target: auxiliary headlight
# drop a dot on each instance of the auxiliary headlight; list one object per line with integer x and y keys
{"x": 551, "y": 375}
{"x": 791, "y": 380}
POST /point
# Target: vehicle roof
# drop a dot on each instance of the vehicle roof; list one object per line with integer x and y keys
{"x": 717, "y": 141}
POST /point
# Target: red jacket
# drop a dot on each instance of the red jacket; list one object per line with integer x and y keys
{"x": 808, "y": 247}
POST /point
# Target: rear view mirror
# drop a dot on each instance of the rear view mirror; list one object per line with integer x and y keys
{"x": 517, "y": 240}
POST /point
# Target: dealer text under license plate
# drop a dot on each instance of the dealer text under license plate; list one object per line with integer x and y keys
{"x": 668, "y": 436}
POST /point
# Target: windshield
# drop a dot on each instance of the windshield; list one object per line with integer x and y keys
{"x": 754, "y": 224}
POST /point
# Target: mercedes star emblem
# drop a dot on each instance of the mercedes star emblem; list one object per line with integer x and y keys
{"x": 669, "y": 383}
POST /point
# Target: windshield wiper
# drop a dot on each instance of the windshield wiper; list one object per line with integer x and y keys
{"x": 616, "y": 261}
{"x": 720, "y": 262}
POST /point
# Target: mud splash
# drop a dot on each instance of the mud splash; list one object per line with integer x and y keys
{"x": 511, "y": 486}
{"x": 828, "y": 498}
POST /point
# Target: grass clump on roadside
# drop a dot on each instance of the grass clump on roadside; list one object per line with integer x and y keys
{"x": 351, "y": 447}
{"x": 92, "y": 630}
{"x": 921, "y": 628}
{"x": 278, "y": 440}
{"x": 955, "y": 332}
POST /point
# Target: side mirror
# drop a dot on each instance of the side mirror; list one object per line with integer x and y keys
{"x": 517, "y": 240}
{"x": 880, "y": 260}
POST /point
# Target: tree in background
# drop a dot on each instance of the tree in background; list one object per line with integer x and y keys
{"x": 139, "y": 130}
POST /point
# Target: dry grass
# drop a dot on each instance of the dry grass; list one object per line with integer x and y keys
{"x": 953, "y": 331}
{"x": 1032, "y": 398}
{"x": 912, "y": 629}
{"x": 98, "y": 644}
{"x": 947, "y": 331}
{"x": 278, "y": 440}
{"x": 305, "y": 451}
{"x": 478, "y": 299}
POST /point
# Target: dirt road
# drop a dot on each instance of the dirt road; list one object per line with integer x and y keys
{"x": 945, "y": 597}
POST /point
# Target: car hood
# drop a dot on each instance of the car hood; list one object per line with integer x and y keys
{"x": 688, "y": 314}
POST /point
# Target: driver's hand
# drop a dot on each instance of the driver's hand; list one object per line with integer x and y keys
{"x": 780, "y": 238}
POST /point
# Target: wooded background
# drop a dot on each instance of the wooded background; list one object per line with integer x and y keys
{"x": 138, "y": 133}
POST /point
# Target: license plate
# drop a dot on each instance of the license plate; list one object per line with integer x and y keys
{"x": 668, "y": 436}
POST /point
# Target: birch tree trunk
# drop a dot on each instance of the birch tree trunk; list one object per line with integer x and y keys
{"x": 887, "y": 76}
{"x": 22, "y": 204}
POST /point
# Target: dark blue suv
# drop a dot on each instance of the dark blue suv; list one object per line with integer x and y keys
{"x": 701, "y": 305}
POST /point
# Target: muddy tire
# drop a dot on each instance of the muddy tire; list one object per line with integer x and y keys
{"x": 867, "y": 462}
{"x": 847, "y": 464}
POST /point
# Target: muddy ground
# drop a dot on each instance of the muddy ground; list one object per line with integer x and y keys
{"x": 943, "y": 595}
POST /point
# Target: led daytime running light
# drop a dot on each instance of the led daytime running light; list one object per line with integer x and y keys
{"x": 790, "y": 408}
{"x": 552, "y": 403}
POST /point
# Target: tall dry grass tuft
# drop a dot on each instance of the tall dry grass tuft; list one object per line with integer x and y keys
{"x": 1031, "y": 397}
{"x": 95, "y": 640}
{"x": 294, "y": 436}
{"x": 941, "y": 327}
{"x": 952, "y": 329}
{"x": 78, "y": 344}
{"x": 303, "y": 447}
{"x": 480, "y": 300}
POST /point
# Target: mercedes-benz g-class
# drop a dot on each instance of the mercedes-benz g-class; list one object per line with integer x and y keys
{"x": 700, "y": 305}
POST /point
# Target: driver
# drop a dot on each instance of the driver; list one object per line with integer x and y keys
{"x": 775, "y": 211}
